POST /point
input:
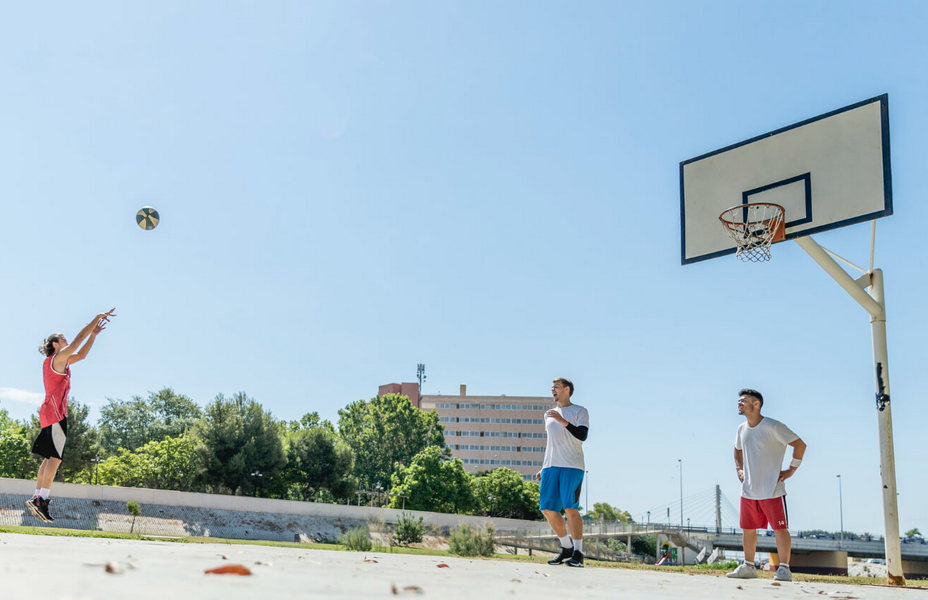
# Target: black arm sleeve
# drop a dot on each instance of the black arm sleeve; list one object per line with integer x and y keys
{"x": 578, "y": 432}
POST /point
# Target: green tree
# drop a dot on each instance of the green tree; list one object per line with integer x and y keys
{"x": 133, "y": 423}
{"x": 135, "y": 510}
{"x": 503, "y": 493}
{"x": 433, "y": 482}
{"x": 16, "y": 458}
{"x": 317, "y": 459}
{"x": 644, "y": 545}
{"x": 911, "y": 533}
{"x": 384, "y": 431}
{"x": 239, "y": 446}
{"x": 168, "y": 464}
{"x": 604, "y": 511}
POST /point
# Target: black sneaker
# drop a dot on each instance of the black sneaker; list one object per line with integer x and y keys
{"x": 43, "y": 508}
{"x": 564, "y": 555}
{"x": 576, "y": 560}
{"x": 35, "y": 507}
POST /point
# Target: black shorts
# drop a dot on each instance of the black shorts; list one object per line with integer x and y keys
{"x": 50, "y": 441}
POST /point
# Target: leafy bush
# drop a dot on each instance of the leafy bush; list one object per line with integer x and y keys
{"x": 357, "y": 539}
{"x": 468, "y": 541}
{"x": 616, "y": 545}
{"x": 644, "y": 545}
{"x": 408, "y": 530}
{"x": 134, "y": 510}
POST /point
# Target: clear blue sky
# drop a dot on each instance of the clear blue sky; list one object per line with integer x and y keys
{"x": 350, "y": 188}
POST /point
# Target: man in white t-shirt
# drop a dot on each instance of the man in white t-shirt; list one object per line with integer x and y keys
{"x": 562, "y": 472}
{"x": 760, "y": 445}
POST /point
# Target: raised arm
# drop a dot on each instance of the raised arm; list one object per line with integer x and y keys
{"x": 74, "y": 352}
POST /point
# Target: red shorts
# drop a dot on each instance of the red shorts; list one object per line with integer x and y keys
{"x": 758, "y": 514}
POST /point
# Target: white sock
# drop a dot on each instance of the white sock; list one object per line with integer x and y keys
{"x": 784, "y": 565}
{"x": 45, "y": 493}
{"x": 578, "y": 545}
{"x": 565, "y": 541}
{"x": 750, "y": 564}
{"x": 36, "y": 494}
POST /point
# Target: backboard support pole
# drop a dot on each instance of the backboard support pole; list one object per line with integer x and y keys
{"x": 874, "y": 303}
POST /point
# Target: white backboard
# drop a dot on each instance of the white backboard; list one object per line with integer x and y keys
{"x": 827, "y": 172}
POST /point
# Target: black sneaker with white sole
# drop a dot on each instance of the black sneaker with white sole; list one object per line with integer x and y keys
{"x": 565, "y": 554}
{"x": 576, "y": 560}
{"x": 35, "y": 507}
{"x": 43, "y": 508}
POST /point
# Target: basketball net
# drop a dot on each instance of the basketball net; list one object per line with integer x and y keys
{"x": 753, "y": 228}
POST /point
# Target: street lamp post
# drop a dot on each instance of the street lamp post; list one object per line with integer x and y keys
{"x": 841, "y": 508}
{"x": 95, "y": 460}
{"x": 680, "y": 460}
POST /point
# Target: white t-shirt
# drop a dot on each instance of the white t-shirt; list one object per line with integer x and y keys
{"x": 563, "y": 449}
{"x": 763, "y": 447}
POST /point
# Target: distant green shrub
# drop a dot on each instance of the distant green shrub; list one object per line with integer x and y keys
{"x": 468, "y": 541}
{"x": 408, "y": 530}
{"x": 135, "y": 511}
{"x": 357, "y": 539}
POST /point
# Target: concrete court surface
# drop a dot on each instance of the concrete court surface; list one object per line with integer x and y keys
{"x": 72, "y": 568}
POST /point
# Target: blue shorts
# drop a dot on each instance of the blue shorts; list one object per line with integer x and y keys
{"x": 560, "y": 488}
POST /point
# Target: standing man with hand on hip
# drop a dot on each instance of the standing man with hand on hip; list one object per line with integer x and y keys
{"x": 760, "y": 445}
{"x": 562, "y": 472}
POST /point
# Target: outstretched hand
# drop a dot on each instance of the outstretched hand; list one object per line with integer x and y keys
{"x": 106, "y": 316}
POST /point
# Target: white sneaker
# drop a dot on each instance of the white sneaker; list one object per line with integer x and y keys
{"x": 783, "y": 574}
{"x": 744, "y": 571}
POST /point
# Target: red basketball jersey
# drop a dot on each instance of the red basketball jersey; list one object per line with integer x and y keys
{"x": 57, "y": 387}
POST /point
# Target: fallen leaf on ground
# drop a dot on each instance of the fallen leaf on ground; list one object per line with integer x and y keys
{"x": 775, "y": 583}
{"x": 223, "y": 557}
{"x": 409, "y": 589}
{"x": 740, "y": 588}
{"x": 442, "y": 566}
{"x": 373, "y": 560}
{"x": 112, "y": 567}
{"x": 266, "y": 563}
{"x": 229, "y": 570}
{"x": 516, "y": 580}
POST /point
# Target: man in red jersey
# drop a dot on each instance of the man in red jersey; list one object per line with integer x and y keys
{"x": 53, "y": 415}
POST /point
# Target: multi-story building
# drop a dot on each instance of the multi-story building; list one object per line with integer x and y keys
{"x": 487, "y": 432}
{"x": 410, "y": 390}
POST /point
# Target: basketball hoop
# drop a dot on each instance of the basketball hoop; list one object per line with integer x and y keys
{"x": 753, "y": 227}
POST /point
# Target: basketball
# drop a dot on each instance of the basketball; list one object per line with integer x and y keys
{"x": 147, "y": 218}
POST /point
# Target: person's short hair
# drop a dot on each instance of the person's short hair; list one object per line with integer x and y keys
{"x": 754, "y": 393}
{"x": 46, "y": 348}
{"x": 567, "y": 382}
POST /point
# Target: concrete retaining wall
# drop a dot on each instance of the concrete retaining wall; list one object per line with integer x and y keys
{"x": 171, "y": 513}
